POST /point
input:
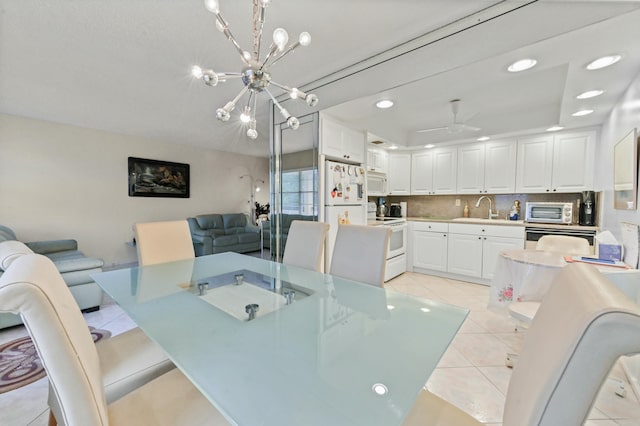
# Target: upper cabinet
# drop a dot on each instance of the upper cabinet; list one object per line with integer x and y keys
{"x": 377, "y": 160}
{"x": 487, "y": 168}
{"x": 341, "y": 142}
{"x": 556, "y": 163}
{"x": 399, "y": 173}
{"x": 434, "y": 171}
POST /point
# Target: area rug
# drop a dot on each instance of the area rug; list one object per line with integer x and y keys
{"x": 21, "y": 365}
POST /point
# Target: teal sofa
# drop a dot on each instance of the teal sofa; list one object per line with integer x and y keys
{"x": 74, "y": 266}
{"x": 218, "y": 233}
{"x": 286, "y": 224}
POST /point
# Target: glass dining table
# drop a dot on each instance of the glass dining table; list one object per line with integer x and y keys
{"x": 271, "y": 344}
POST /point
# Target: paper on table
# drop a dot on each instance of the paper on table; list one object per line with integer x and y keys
{"x": 631, "y": 243}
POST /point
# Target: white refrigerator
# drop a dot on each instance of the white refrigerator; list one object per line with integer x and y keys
{"x": 344, "y": 200}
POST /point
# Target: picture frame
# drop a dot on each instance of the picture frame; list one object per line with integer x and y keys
{"x": 155, "y": 178}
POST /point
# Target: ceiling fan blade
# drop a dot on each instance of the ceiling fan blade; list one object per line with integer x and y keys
{"x": 470, "y": 128}
{"x": 433, "y": 129}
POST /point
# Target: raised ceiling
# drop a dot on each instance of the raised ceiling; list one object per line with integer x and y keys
{"x": 124, "y": 66}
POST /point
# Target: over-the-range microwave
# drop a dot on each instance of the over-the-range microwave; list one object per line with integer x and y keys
{"x": 549, "y": 212}
{"x": 377, "y": 184}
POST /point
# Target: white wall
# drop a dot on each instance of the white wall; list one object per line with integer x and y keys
{"x": 624, "y": 117}
{"x": 59, "y": 181}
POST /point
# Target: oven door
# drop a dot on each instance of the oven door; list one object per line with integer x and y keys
{"x": 398, "y": 240}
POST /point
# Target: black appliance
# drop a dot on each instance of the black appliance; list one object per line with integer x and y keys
{"x": 588, "y": 208}
{"x": 395, "y": 210}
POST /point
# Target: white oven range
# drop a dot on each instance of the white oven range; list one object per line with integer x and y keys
{"x": 396, "y": 255}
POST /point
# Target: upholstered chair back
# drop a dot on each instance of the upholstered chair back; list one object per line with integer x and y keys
{"x": 360, "y": 253}
{"x": 564, "y": 244}
{"x": 10, "y": 250}
{"x": 305, "y": 244}
{"x": 159, "y": 242}
{"x": 33, "y": 288}
{"x": 583, "y": 325}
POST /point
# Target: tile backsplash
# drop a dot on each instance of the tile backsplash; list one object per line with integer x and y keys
{"x": 444, "y": 206}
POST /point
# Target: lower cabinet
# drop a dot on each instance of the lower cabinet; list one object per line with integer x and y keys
{"x": 474, "y": 249}
{"x": 461, "y": 249}
{"x": 430, "y": 245}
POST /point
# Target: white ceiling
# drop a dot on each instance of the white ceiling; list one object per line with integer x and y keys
{"x": 124, "y": 66}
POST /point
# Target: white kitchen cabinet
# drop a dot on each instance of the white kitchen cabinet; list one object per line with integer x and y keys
{"x": 399, "y": 173}
{"x": 556, "y": 163}
{"x": 434, "y": 171}
{"x": 340, "y": 142}
{"x": 429, "y": 245}
{"x": 573, "y": 158}
{"x": 422, "y": 172}
{"x": 473, "y": 249}
{"x": 377, "y": 160}
{"x": 487, "y": 168}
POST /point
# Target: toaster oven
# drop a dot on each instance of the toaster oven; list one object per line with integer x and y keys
{"x": 549, "y": 212}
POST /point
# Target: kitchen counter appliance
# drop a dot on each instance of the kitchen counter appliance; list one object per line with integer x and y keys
{"x": 549, "y": 212}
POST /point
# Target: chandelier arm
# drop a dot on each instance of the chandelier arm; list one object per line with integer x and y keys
{"x": 227, "y": 32}
{"x": 272, "y": 49}
{"x": 283, "y": 111}
{"x": 242, "y": 92}
{"x": 285, "y": 52}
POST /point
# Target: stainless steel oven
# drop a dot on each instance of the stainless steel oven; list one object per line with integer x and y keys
{"x": 534, "y": 233}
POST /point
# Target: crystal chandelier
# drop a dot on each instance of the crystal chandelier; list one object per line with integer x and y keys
{"x": 255, "y": 75}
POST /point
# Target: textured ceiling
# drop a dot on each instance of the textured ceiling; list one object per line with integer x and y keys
{"x": 124, "y": 66}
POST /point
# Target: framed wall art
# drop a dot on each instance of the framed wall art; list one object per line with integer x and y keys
{"x": 154, "y": 178}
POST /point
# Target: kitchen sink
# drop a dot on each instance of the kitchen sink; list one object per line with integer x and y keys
{"x": 487, "y": 221}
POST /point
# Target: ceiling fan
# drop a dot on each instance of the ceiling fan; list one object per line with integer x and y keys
{"x": 456, "y": 126}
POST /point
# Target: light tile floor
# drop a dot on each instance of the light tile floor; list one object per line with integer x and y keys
{"x": 471, "y": 375}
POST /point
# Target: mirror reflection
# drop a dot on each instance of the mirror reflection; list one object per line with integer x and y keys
{"x": 625, "y": 172}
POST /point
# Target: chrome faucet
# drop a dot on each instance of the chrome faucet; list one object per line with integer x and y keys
{"x": 491, "y": 213}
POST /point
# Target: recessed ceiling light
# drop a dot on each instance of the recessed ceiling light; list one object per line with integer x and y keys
{"x": 390, "y": 307}
{"x": 429, "y": 146}
{"x": 590, "y": 94}
{"x": 554, "y": 128}
{"x": 605, "y": 61}
{"x": 384, "y": 103}
{"x": 425, "y": 310}
{"x": 393, "y": 147}
{"x": 483, "y": 138}
{"x": 582, "y": 112}
{"x": 522, "y": 65}
{"x": 379, "y": 389}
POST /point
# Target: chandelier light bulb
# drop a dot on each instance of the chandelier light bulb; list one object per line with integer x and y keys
{"x": 222, "y": 114}
{"x": 210, "y": 78}
{"x": 245, "y": 117}
{"x": 246, "y": 55}
{"x": 212, "y": 6}
{"x": 252, "y": 134}
{"x": 280, "y": 38}
{"x": 312, "y": 100}
{"x": 265, "y": 3}
{"x": 293, "y": 123}
{"x": 304, "y": 39}
{"x": 196, "y": 71}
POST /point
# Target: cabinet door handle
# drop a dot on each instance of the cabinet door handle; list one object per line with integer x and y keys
{"x": 479, "y": 238}
{"x": 554, "y": 190}
{"x": 445, "y": 235}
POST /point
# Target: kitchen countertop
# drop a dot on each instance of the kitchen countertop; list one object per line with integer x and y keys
{"x": 502, "y": 222}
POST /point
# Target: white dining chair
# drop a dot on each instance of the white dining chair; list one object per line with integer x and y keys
{"x": 360, "y": 253}
{"x": 564, "y": 244}
{"x": 582, "y": 327}
{"x": 305, "y": 244}
{"x": 159, "y": 242}
{"x": 33, "y": 288}
{"x": 128, "y": 360}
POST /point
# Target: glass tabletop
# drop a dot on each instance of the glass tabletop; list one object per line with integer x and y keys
{"x": 318, "y": 350}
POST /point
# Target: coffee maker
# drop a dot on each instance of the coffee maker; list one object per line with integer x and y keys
{"x": 588, "y": 208}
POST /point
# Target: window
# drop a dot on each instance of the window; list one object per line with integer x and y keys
{"x": 299, "y": 189}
